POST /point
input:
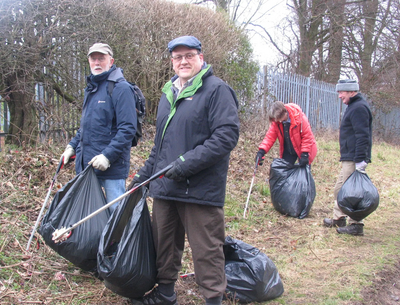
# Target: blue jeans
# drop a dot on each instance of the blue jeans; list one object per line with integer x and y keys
{"x": 113, "y": 189}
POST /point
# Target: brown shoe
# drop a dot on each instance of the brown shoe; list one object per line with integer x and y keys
{"x": 356, "y": 229}
{"x": 329, "y": 222}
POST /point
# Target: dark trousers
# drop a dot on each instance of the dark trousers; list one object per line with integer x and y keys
{"x": 205, "y": 229}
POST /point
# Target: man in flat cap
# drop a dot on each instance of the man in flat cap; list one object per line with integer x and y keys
{"x": 197, "y": 128}
{"x": 355, "y": 149}
{"x": 108, "y": 124}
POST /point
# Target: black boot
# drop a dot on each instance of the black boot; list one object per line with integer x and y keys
{"x": 356, "y": 229}
{"x": 329, "y": 222}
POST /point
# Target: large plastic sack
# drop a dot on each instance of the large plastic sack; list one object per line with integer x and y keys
{"x": 74, "y": 201}
{"x": 127, "y": 257}
{"x": 358, "y": 196}
{"x": 251, "y": 275}
{"x": 292, "y": 188}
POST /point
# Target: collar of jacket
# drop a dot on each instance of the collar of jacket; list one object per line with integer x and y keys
{"x": 94, "y": 80}
{"x": 187, "y": 92}
{"x": 354, "y": 98}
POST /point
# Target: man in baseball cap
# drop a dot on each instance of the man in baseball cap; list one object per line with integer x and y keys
{"x": 109, "y": 124}
{"x": 355, "y": 149}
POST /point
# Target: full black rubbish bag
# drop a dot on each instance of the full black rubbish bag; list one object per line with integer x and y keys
{"x": 292, "y": 188}
{"x": 251, "y": 275}
{"x": 358, "y": 196}
{"x": 127, "y": 257}
{"x": 74, "y": 201}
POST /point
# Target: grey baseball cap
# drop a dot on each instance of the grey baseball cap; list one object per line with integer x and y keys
{"x": 347, "y": 85}
{"x": 101, "y": 48}
{"x": 187, "y": 41}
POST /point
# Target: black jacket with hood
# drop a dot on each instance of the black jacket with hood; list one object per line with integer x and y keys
{"x": 198, "y": 129}
{"x": 356, "y": 131}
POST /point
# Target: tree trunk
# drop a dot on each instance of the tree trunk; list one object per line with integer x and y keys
{"x": 334, "y": 60}
{"x": 23, "y": 119}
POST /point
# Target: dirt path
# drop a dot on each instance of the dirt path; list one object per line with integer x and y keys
{"x": 385, "y": 289}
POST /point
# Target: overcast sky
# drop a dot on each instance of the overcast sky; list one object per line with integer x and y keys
{"x": 273, "y": 11}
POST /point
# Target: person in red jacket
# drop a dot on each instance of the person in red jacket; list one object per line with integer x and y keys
{"x": 290, "y": 125}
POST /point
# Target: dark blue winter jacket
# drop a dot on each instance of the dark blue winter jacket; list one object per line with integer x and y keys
{"x": 356, "y": 131}
{"x": 198, "y": 129}
{"x": 108, "y": 124}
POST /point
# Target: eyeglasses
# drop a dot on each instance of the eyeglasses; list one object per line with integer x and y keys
{"x": 187, "y": 56}
{"x": 100, "y": 58}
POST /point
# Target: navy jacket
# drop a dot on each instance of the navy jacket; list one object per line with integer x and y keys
{"x": 356, "y": 131}
{"x": 107, "y": 126}
{"x": 199, "y": 129}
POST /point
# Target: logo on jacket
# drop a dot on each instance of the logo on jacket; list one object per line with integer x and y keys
{"x": 189, "y": 98}
{"x": 101, "y": 102}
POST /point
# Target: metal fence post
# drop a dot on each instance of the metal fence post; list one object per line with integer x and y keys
{"x": 308, "y": 97}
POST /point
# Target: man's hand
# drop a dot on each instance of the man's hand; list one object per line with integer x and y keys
{"x": 100, "y": 162}
{"x": 304, "y": 159}
{"x": 68, "y": 153}
{"x": 175, "y": 173}
{"x": 260, "y": 157}
{"x": 361, "y": 166}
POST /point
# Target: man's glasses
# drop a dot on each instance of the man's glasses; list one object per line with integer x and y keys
{"x": 187, "y": 56}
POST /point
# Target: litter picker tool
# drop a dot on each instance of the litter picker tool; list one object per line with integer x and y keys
{"x": 251, "y": 187}
{"x": 63, "y": 233}
{"x": 59, "y": 167}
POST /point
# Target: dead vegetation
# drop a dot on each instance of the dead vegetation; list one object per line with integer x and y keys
{"x": 317, "y": 266}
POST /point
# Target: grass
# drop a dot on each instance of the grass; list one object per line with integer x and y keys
{"x": 316, "y": 265}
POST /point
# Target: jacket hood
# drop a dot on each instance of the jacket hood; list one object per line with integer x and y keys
{"x": 116, "y": 74}
{"x": 294, "y": 111}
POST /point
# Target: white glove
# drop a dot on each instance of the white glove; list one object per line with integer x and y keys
{"x": 100, "y": 162}
{"x": 68, "y": 153}
{"x": 361, "y": 166}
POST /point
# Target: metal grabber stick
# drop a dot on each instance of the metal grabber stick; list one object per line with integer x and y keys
{"x": 61, "y": 234}
{"x": 251, "y": 187}
{"x": 59, "y": 167}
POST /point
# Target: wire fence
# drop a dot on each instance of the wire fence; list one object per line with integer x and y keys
{"x": 319, "y": 101}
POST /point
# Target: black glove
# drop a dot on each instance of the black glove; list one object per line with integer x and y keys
{"x": 260, "y": 157}
{"x": 303, "y": 159}
{"x": 132, "y": 185}
{"x": 175, "y": 173}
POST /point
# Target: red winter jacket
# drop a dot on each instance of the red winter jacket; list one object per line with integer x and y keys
{"x": 300, "y": 133}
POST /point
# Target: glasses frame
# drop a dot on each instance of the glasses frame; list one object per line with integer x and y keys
{"x": 187, "y": 56}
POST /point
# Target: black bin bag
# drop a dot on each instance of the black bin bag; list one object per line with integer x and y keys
{"x": 74, "y": 201}
{"x": 358, "y": 196}
{"x": 127, "y": 257}
{"x": 251, "y": 275}
{"x": 292, "y": 188}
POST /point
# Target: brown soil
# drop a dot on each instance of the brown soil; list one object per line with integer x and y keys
{"x": 385, "y": 289}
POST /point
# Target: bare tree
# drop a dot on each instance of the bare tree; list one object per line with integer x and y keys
{"x": 32, "y": 35}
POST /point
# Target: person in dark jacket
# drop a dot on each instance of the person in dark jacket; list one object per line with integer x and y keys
{"x": 289, "y": 124}
{"x": 355, "y": 149}
{"x": 108, "y": 124}
{"x": 197, "y": 128}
